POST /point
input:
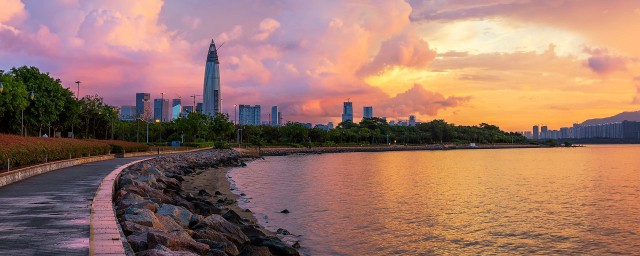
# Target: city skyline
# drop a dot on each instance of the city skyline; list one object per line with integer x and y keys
{"x": 499, "y": 62}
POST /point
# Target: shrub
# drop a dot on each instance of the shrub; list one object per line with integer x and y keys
{"x": 117, "y": 146}
{"x": 22, "y": 151}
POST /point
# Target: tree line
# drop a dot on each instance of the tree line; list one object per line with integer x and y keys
{"x": 55, "y": 108}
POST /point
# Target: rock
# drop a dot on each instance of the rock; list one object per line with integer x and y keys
{"x": 296, "y": 245}
{"x": 217, "y": 193}
{"x": 189, "y": 197}
{"x": 169, "y": 224}
{"x": 138, "y": 241}
{"x": 216, "y": 252}
{"x": 203, "y": 192}
{"x": 216, "y": 240}
{"x": 175, "y": 243}
{"x": 255, "y": 251}
{"x": 205, "y": 208}
{"x": 253, "y": 232}
{"x": 180, "y": 214}
{"x": 283, "y": 232}
{"x": 218, "y": 223}
{"x": 242, "y": 194}
{"x": 285, "y": 211}
{"x": 276, "y": 246}
{"x": 142, "y": 216}
{"x": 233, "y": 217}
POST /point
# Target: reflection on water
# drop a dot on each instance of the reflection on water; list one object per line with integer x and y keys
{"x": 511, "y": 201}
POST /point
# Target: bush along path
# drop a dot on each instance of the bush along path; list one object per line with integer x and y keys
{"x": 159, "y": 218}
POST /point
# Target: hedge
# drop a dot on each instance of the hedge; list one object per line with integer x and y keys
{"x": 21, "y": 151}
{"x": 119, "y": 146}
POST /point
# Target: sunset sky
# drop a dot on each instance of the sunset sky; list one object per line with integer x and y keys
{"x": 513, "y": 63}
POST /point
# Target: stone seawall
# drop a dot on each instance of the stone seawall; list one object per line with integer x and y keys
{"x": 159, "y": 218}
{"x": 30, "y": 171}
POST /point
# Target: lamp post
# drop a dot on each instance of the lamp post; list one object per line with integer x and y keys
{"x": 31, "y": 97}
{"x": 78, "y": 96}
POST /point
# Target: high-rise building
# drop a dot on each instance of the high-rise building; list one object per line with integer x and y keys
{"x": 280, "y": 118}
{"x": 128, "y": 113}
{"x": 543, "y": 132}
{"x": 249, "y": 115}
{"x": 143, "y": 106}
{"x": 199, "y": 107}
{"x": 161, "y": 110}
{"x": 274, "y": 116}
{"x": 211, "y": 92}
{"x": 347, "y": 111}
{"x": 536, "y": 132}
{"x": 367, "y": 112}
{"x": 176, "y": 108}
{"x": 412, "y": 120}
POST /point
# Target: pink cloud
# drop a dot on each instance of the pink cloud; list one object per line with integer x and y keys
{"x": 406, "y": 49}
{"x": 603, "y": 63}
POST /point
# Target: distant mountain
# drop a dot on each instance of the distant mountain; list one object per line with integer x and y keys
{"x": 628, "y": 116}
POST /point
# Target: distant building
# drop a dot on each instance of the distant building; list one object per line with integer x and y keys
{"x": 128, "y": 113}
{"x": 412, "y": 120}
{"x": 536, "y": 132}
{"x": 543, "y": 132}
{"x": 325, "y": 127}
{"x": 187, "y": 109}
{"x": 280, "y": 119}
{"x": 199, "y": 107}
{"x": 249, "y": 115}
{"x": 367, "y": 112}
{"x": 308, "y": 125}
{"x": 211, "y": 92}
{"x": 275, "y": 120}
{"x": 176, "y": 108}
{"x": 330, "y": 125}
{"x": 161, "y": 110}
{"x": 347, "y": 111}
{"x": 143, "y": 105}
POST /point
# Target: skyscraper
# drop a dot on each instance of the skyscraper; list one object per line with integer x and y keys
{"x": 367, "y": 112}
{"x": 347, "y": 111}
{"x": 536, "y": 133}
{"x": 128, "y": 113}
{"x": 249, "y": 115}
{"x": 412, "y": 120}
{"x": 186, "y": 110}
{"x": 176, "y": 108}
{"x": 543, "y": 132}
{"x": 199, "y": 107}
{"x": 274, "y": 116}
{"x": 161, "y": 110}
{"x": 143, "y": 105}
{"x": 211, "y": 93}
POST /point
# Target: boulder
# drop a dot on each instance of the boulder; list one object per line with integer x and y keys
{"x": 175, "y": 242}
{"x": 142, "y": 216}
{"x": 276, "y": 246}
{"x": 203, "y": 192}
{"x": 218, "y": 223}
{"x": 233, "y": 217}
{"x": 178, "y": 213}
{"x": 283, "y": 232}
{"x": 205, "y": 208}
{"x": 216, "y": 240}
{"x": 138, "y": 241}
{"x": 253, "y": 231}
{"x": 251, "y": 250}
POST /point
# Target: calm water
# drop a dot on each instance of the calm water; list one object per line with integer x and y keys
{"x": 569, "y": 201}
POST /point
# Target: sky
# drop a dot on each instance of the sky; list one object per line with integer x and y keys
{"x": 512, "y": 63}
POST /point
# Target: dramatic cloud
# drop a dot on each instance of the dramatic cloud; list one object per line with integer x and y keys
{"x": 604, "y": 63}
{"x": 406, "y": 50}
{"x": 417, "y": 99}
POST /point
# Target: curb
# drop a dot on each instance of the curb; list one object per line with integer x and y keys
{"x": 104, "y": 234}
{"x": 30, "y": 171}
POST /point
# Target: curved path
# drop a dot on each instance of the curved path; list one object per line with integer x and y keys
{"x": 49, "y": 214}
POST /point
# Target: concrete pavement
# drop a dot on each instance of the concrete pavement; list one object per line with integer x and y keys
{"x": 49, "y": 214}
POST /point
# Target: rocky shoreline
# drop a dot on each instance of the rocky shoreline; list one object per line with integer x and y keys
{"x": 324, "y": 150}
{"x": 159, "y": 217}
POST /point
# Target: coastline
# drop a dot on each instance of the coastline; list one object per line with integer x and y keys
{"x": 274, "y": 151}
{"x": 183, "y": 204}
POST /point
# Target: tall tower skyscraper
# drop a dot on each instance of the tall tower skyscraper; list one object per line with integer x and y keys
{"x": 367, "y": 112}
{"x": 176, "y": 108}
{"x": 347, "y": 111}
{"x": 249, "y": 115}
{"x": 211, "y": 93}
{"x": 536, "y": 132}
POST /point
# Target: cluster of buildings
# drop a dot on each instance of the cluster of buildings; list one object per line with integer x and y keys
{"x": 615, "y": 130}
{"x": 165, "y": 110}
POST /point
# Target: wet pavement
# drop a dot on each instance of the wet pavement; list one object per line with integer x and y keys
{"x": 49, "y": 214}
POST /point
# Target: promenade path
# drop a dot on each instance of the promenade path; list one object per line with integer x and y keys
{"x": 49, "y": 214}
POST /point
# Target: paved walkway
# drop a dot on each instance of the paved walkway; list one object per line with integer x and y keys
{"x": 49, "y": 214}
